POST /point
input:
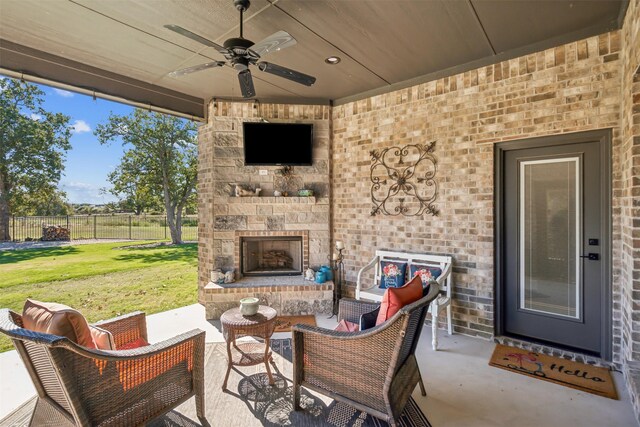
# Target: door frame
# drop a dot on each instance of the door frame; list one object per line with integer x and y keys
{"x": 603, "y": 136}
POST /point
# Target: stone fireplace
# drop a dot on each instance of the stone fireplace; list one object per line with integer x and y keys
{"x": 267, "y": 241}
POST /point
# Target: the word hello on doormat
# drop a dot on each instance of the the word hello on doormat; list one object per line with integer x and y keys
{"x": 592, "y": 379}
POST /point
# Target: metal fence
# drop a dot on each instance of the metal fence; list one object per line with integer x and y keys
{"x": 117, "y": 226}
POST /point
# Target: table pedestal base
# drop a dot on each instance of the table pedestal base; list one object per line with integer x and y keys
{"x": 248, "y": 354}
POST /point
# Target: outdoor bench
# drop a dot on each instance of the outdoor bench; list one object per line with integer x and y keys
{"x": 442, "y": 263}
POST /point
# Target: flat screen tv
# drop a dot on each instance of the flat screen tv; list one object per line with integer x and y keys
{"x": 268, "y": 144}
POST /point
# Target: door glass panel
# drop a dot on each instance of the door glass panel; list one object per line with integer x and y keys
{"x": 549, "y": 238}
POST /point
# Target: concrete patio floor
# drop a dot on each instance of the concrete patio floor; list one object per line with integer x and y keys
{"x": 462, "y": 389}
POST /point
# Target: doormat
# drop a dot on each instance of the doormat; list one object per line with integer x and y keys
{"x": 592, "y": 379}
{"x": 284, "y": 323}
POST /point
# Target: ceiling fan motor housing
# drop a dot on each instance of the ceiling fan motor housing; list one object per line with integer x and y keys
{"x": 238, "y": 43}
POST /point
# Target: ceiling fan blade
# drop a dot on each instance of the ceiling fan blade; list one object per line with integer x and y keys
{"x": 273, "y": 43}
{"x": 287, "y": 73}
{"x": 246, "y": 84}
{"x": 189, "y": 70}
{"x": 194, "y": 36}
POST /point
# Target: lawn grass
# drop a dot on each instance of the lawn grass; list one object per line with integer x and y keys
{"x": 100, "y": 280}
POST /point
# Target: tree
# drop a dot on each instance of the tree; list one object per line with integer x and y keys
{"x": 33, "y": 143}
{"x": 45, "y": 201}
{"x": 111, "y": 208}
{"x": 191, "y": 208}
{"x": 134, "y": 186}
{"x": 86, "y": 209}
{"x": 162, "y": 153}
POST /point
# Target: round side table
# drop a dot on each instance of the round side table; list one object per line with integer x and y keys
{"x": 236, "y": 325}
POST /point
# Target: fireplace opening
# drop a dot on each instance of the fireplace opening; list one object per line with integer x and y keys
{"x": 271, "y": 256}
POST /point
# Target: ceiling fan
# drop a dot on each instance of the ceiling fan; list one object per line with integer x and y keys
{"x": 240, "y": 53}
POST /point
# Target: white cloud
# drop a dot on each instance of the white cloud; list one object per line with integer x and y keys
{"x": 81, "y": 185}
{"x": 83, "y": 192}
{"x": 80, "y": 126}
{"x": 36, "y": 117}
{"x": 63, "y": 93}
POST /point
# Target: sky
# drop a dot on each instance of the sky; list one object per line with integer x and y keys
{"x": 88, "y": 162}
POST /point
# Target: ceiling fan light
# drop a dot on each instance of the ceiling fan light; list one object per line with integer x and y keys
{"x": 332, "y": 60}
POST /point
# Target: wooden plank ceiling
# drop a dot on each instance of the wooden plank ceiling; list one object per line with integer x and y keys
{"x": 121, "y": 47}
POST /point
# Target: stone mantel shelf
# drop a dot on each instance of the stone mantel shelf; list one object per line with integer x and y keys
{"x": 271, "y": 200}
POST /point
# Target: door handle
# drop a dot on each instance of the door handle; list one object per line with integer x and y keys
{"x": 591, "y": 256}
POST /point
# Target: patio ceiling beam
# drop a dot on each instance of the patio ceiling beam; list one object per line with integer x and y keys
{"x": 41, "y": 67}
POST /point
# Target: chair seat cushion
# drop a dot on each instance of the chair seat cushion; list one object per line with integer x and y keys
{"x": 140, "y": 342}
{"x": 393, "y": 274}
{"x": 396, "y": 298}
{"x": 346, "y": 326}
{"x": 57, "y": 319}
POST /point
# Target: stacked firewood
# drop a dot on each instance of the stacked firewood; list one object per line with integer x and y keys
{"x": 276, "y": 259}
{"x": 55, "y": 232}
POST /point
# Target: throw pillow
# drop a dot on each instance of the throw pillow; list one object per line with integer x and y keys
{"x": 396, "y": 298}
{"x": 57, "y": 319}
{"x": 102, "y": 338}
{"x": 368, "y": 320}
{"x": 346, "y": 326}
{"x": 393, "y": 274}
{"x": 426, "y": 273}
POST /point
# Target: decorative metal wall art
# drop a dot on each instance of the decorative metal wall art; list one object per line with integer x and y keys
{"x": 403, "y": 180}
{"x": 286, "y": 181}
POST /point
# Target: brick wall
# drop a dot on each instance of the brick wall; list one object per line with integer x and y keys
{"x": 630, "y": 200}
{"x": 629, "y": 175}
{"x": 574, "y": 87}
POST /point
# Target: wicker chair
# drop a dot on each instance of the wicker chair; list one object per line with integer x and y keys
{"x": 86, "y": 387}
{"x": 374, "y": 370}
